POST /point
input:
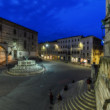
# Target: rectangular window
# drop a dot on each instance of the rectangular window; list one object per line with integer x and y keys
{"x": 32, "y": 37}
{"x": 1, "y": 27}
{"x": 24, "y": 34}
{"x": 14, "y": 31}
{"x": 87, "y": 48}
{"x": 24, "y": 44}
{"x": 87, "y": 54}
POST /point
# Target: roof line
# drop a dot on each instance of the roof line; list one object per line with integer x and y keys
{"x": 17, "y": 24}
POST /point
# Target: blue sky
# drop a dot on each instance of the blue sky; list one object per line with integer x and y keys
{"x": 54, "y": 19}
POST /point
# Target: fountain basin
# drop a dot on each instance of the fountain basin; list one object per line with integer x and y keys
{"x": 26, "y": 67}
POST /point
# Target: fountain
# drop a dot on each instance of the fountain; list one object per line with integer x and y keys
{"x": 25, "y": 67}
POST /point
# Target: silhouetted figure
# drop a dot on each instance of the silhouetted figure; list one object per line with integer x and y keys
{"x": 89, "y": 83}
{"x": 7, "y": 67}
{"x": 51, "y": 97}
{"x": 73, "y": 81}
{"x": 65, "y": 88}
{"x": 59, "y": 97}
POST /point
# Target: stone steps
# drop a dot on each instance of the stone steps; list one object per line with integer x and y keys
{"x": 85, "y": 101}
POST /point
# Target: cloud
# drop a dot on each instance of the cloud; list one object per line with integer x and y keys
{"x": 1, "y": 3}
{"x": 14, "y": 2}
{"x": 53, "y": 17}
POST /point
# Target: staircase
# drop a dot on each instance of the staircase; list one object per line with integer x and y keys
{"x": 84, "y": 101}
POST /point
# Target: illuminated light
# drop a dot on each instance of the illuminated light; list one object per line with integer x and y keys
{"x": 56, "y": 46}
{"x": 82, "y": 59}
{"x": 103, "y": 41}
{"x": 51, "y": 57}
{"x": 42, "y": 55}
{"x": 9, "y": 58}
{"x": 74, "y": 59}
{"x": 47, "y": 45}
{"x": 2, "y": 55}
{"x": 48, "y": 57}
{"x": 43, "y": 47}
{"x": 85, "y": 61}
{"x": 81, "y": 45}
{"x": 62, "y": 58}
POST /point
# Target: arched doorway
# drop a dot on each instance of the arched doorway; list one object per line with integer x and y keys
{"x": 2, "y": 55}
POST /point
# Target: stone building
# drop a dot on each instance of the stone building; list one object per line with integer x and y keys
{"x": 76, "y": 49}
{"x": 20, "y": 41}
{"x": 49, "y": 50}
{"x": 80, "y": 49}
{"x": 106, "y": 23}
{"x": 102, "y": 85}
{"x": 91, "y": 50}
{"x": 68, "y": 48}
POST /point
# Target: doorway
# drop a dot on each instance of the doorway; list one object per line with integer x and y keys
{"x": 15, "y": 54}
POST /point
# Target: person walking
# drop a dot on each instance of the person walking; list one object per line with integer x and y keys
{"x": 51, "y": 97}
{"x": 89, "y": 83}
{"x": 59, "y": 97}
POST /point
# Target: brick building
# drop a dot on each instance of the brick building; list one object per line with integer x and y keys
{"x": 20, "y": 41}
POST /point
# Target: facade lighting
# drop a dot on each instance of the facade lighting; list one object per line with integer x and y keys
{"x": 43, "y": 47}
{"x": 81, "y": 45}
{"x": 56, "y": 46}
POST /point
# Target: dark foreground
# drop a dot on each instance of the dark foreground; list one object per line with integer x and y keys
{"x": 31, "y": 92}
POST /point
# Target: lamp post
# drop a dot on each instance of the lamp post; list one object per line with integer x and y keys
{"x": 81, "y": 48}
{"x": 57, "y": 49}
{"x": 46, "y": 45}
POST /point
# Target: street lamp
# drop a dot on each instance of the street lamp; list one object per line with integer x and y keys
{"x": 56, "y": 50}
{"x": 47, "y": 45}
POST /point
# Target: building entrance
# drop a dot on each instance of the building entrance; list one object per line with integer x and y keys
{"x": 15, "y": 54}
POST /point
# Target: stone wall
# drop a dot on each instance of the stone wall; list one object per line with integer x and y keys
{"x": 20, "y": 40}
{"x": 102, "y": 85}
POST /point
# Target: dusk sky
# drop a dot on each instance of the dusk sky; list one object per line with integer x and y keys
{"x": 54, "y": 19}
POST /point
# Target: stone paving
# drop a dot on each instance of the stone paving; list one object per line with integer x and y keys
{"x": 31, "y": 92}
{"x": 77, "y": 98}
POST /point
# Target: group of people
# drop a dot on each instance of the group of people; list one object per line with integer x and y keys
{"x": 59, "y": 97}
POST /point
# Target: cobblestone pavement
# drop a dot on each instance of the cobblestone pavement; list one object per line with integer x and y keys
{"x": 31, "y": 92}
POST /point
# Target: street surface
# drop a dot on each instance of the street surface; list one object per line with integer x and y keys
{"x": 31, "y": 92}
